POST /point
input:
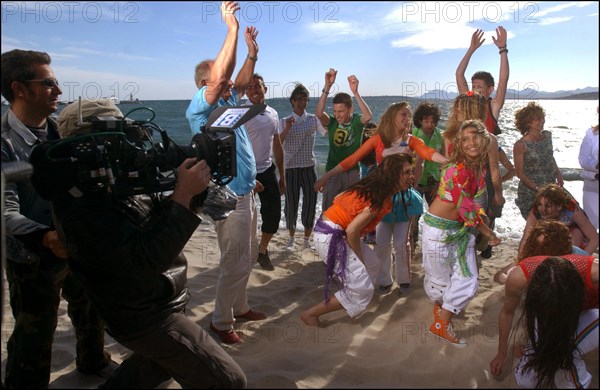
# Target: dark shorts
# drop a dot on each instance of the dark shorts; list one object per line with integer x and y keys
{"x": 270, "y": 200}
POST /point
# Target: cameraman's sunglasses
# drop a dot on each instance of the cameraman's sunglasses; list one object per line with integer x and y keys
{"x": 48, "y": 83}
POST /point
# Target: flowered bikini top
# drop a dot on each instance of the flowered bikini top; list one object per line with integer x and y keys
{"x": 460, "y": 186}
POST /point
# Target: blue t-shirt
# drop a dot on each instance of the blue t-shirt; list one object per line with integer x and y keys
{"x": 197, "y": 114}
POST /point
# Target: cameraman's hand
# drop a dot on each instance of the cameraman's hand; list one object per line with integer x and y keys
{"x": 192, "y": 178}
{"x": 50, "y": 240}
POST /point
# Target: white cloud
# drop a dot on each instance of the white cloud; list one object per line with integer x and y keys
{"x": 119, "y": 55}
{"x": 549, "y": 21}
{"x": 437, "y": 26}
{"x": 342, "y": 31}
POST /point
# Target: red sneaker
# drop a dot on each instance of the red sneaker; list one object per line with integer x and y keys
{"x": 226, "y": 336}
{"x": 252, "y": 315}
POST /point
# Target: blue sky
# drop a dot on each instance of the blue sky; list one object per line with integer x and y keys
{"x": 150, "y": 49}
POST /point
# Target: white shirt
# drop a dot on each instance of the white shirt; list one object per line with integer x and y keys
{"x": 261, "y": 130}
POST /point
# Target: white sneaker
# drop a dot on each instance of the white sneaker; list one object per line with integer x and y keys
{"x": 291, "y": 242}
{"x": 307, "y": 244}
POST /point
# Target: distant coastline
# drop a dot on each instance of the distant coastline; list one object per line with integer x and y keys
{"x": 581, "y": 96}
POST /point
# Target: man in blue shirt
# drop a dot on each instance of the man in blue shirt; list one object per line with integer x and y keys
{"x": 234, "y": 234}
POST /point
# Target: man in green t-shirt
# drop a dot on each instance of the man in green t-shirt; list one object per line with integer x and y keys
{"x": 344, "y": 132}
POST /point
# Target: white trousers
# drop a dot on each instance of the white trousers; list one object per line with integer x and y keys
{"x": 443, "y": 282}
{"x": 234, "y": 235}
{"x": 590, "y": 202}
{"x": 578, "y": 377}
{"x": 398, "y": 232}
{"x": 356, "y": 295}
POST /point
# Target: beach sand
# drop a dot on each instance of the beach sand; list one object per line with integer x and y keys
{"x": 386, "y": 347}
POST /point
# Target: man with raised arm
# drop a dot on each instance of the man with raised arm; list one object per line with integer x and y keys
{"x": 345, "y": 133}
{"x": 213, "y": 79}
{"x": 483, "y": 83}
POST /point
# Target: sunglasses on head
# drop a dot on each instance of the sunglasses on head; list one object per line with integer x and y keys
{"x": 48, "y": 83}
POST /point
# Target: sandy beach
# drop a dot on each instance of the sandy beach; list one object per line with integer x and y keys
{"x": 386, "y": 347}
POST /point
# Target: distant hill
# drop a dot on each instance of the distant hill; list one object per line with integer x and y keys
{"x": 582, "y": 96}
{"x": 588, "y": 93}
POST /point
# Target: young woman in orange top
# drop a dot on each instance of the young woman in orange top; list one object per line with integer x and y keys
{"x": 337, "y": 234}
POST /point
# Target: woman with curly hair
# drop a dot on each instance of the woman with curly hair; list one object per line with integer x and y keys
{"x": 534, "y": 156}
{"x": 337, "y": 234}
{"x": 449, "y": 230}
{"x": 555, "y": 202}
{"x": 473, "y": 106}
{"x": 517, "y": 283}
{"x": 559, "y": 332}
{"x": 547, "y": 237}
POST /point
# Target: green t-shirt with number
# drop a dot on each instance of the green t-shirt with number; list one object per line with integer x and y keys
{"x": 343, "y": 140}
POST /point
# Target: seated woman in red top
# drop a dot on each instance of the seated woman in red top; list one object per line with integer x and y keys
{"x": 516, "y": 285}
{"x": 560, "y": 328}
{"x": 337, "y": 233}
{"x": 548, "y": 237}
{"x": 554, "y": 202}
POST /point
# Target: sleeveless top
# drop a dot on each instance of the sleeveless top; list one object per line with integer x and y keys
{"x": 538, "y": 166}
{"x": 491, "y": 123}
{"x": 584, "y": 267}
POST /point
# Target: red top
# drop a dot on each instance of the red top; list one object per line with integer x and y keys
{"x": 584, "y": 267}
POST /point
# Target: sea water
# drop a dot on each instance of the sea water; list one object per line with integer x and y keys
{"x": 566, "y": 119}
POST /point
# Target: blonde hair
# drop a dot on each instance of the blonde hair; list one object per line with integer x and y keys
{"x": 471, "y": 106}
{"x": 202, "y": 72}
{"x": 387, "y": 124}
{"x": 458, "y": 154}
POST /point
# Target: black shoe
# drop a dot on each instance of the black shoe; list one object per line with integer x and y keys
{"x": 106, "y": 371}
{"x": 487, "y": 252}
{"x": 264, "y": 261}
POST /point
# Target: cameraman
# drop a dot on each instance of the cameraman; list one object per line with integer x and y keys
{"x": 129, "y": 258}
{"x": 37, "y": 269}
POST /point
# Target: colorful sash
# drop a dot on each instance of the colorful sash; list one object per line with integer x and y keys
{"x": 459, "y": 237}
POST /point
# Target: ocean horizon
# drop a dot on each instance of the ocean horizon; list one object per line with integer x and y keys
{"x": 566, "y": 119}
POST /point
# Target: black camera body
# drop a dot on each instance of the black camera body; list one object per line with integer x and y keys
{"x": 122, "y": 155}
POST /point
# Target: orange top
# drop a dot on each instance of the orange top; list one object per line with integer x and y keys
{"x": 347, "y": 205}
{"x": 375, "y": 144}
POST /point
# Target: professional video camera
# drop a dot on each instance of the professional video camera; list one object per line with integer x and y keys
{"x": 123, "y": 155}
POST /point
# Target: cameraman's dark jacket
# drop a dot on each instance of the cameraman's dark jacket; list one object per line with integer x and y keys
{"x": 129, "y": 257}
